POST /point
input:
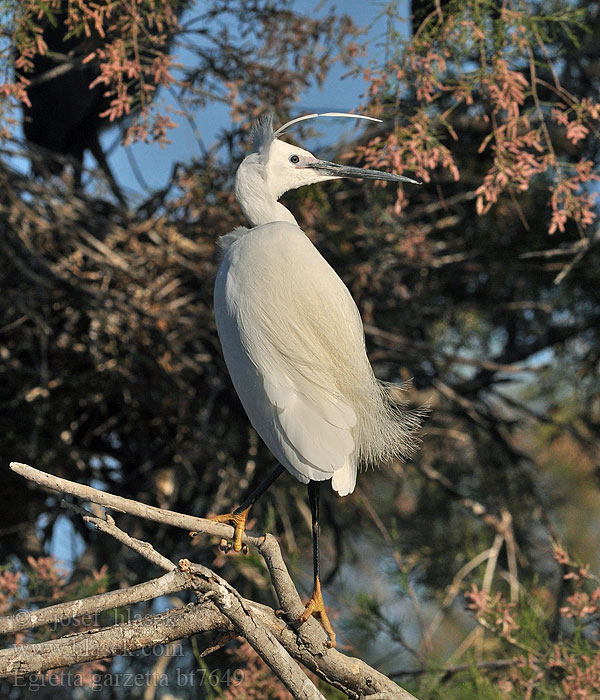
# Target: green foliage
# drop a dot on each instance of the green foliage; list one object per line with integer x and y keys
{"x": 368, "y": 616}
{"x": 465, "y": 685}
{"x": 538, "y": 649}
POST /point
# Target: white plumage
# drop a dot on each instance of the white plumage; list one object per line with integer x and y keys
{"x": 292, "y": 335}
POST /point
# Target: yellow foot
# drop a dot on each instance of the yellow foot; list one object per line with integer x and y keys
{"x": 239, "y": 523}
{"x": 316, "y": 607}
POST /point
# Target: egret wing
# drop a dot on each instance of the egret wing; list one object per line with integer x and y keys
{"x": 290, "y": 332}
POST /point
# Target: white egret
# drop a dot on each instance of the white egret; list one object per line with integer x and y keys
{"x": 293, "y": 340}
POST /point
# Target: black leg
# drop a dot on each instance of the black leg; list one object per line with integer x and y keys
{"x": 315, "y": 605}
{"x": 313, "y": 499}
{"x": 260, "y": 489}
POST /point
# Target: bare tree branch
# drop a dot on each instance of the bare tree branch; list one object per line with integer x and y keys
{"x": 450, "y": 670}
{"x": 145, "y": 549}
{"x": 123, "y": 638}
{"x": 172, "y": 582}
{"x": 127, "y": 505}
{"x": 396, "y": 340}
{"x": 220, "y": 609}
{"x": 265, "y": 644}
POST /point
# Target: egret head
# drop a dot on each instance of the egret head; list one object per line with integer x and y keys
{"x": 288, "y": 167}
{"x": 276, "y": 167}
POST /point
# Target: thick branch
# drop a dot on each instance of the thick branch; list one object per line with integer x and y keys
{"x": 265, "y": 644}
{"x": 123, "y": 638}
{"x": 170, "y": 583}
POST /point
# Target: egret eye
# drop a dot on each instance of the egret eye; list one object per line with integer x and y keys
{"x": 294, "y": 159}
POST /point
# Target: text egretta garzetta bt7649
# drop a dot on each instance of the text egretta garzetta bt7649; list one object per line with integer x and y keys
{"x": 294, "y": 343}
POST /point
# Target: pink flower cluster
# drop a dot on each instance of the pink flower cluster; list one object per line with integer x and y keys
{"x": 458, "y": 58}
{"x": 568, "y": 667}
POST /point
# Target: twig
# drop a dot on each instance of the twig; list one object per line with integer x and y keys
{"x": 511, "y": 555}
{"x": 454, "y": 588}
{"x": 107, "y": 525}
{"x": 468, "y": 406}
{"x": 490, "y": 570}
{"x": 477, "y": 508}
{"x": 449, "y": 357}
{"x": 555, "y": 252}
{"x": 577, "y": 259}
{"x": 159, "y": 670}
{"x": 450, "y": 670}
{"x": 127, "y": 505}
{"x": 65, "y": 66}
{"x": 145, "y": 549}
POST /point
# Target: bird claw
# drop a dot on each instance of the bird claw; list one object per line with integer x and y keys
{"x": 316, "y": 608}
{"x": 238, "y": 521}
{"x": 226, "y": 546}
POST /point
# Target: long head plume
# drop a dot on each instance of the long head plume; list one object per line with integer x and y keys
{"x": 263, "y": 133}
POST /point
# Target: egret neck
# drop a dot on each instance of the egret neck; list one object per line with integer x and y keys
{"x": 255, "y": 196}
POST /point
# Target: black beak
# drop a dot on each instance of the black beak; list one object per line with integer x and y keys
{"x": 337, "y": 170}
